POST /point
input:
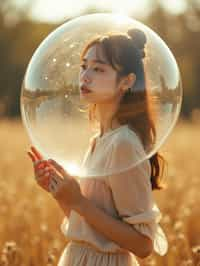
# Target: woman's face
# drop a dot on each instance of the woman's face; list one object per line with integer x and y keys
{"x": 97, "y": 78}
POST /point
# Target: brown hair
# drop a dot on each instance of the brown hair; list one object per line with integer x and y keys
{"x": 135, "y": 107}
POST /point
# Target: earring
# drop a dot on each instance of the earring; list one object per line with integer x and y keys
{"x": 129, "y": 90}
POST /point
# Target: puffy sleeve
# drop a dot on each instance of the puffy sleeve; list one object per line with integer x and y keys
{"x": 133, "y": 198}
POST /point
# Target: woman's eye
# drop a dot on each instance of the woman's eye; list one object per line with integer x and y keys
{"x": 83, "y": 66}
{"x": 97, "y": 69}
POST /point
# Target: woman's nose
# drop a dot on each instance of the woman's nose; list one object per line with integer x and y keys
{"x": 86, "y": 76}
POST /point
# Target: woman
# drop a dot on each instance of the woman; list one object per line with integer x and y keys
{"x": 111, "y": 218}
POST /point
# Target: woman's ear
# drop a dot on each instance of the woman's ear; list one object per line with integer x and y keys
{"x": 131, "y": 79}
{"x": 128, "y": 81}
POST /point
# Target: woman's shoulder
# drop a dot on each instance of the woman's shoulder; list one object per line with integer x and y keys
{"x": 122, "y": 137}
{"x": 126, "y": 136}
{"x": 127, "y": 152}
{"x": 128, "y": 142}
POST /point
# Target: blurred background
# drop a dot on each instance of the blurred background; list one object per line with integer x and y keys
{"x": 25, "y": 23}
{"x": 30, "y": 219}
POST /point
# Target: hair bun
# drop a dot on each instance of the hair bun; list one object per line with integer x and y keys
{"x": 139, "y": 39}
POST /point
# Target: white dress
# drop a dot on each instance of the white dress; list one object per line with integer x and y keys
{"x": 126, "y": 196}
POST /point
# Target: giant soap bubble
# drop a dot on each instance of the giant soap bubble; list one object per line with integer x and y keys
{"x": 56, "y": 117}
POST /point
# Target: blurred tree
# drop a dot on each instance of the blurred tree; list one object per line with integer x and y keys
{"x": 16, "y": 47}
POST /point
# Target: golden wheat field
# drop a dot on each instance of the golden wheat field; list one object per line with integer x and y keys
{"x": 30, "y": 218}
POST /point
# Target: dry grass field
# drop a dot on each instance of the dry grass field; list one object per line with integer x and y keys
{"x": 30, "y": 219}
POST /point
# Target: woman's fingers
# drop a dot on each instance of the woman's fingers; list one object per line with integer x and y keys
{"x": 37, "y": 153}
{"x": 43, "y": 178}
{"x": 58, "y": 167}
{"x": 54, "y": 184}
{"x": 41, "y": 164}
{"x": 37, "y": 163}
{"x": 44, "y": 183}
{"x": 48, "y": 173}
{"x": 52, "y": 188}
{"x": 32, "y": 156}
{"x": 41, "y": 168}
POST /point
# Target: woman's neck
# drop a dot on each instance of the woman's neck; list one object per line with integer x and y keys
{"x": 106, "y": 128}
{"x": 105, "y": 115}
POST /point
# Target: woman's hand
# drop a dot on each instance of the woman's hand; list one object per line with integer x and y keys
{"x": 64, "y": 188}
{"x": 53, "y": 178}
{"x": 40, "y": 168}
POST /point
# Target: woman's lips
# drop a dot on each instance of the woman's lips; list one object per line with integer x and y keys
{"x": 84, "y": 89}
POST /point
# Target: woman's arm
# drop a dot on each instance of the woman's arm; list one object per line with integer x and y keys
{"x": 119, "y": 232}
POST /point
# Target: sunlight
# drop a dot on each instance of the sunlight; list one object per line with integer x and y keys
{"x": 55, "y": 11}
{"x": 120, "y": 19}
{"x": 72, "y": 168}
{"x": 127, "y": 7}
{"x": 62, "y": 8}
{"x": 178, "y": 7}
